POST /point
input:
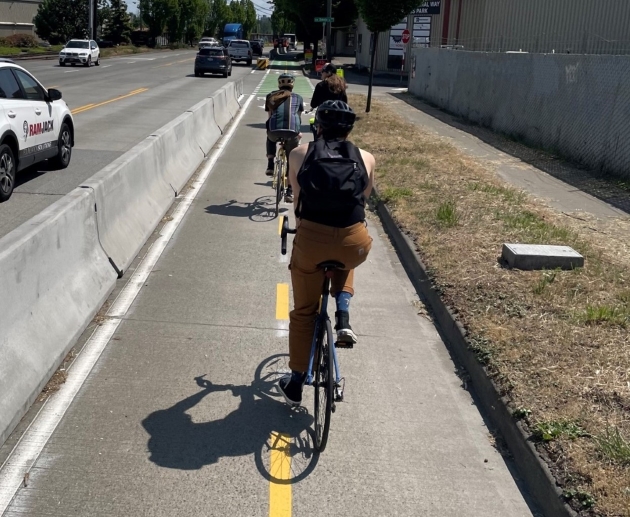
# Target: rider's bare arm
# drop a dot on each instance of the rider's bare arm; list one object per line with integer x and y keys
{"x": 370, "y": 165}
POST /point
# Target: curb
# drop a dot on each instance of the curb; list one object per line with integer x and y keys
{"x": 540, "y": 483}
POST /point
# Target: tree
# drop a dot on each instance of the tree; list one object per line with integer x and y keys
{"x": 379, "y": 16}
{"x": 237, "y": 13}
{"x": 304, "y": 12}
{"x": 266, "y": 26}
{"x": 57, "y": 21}
{"x": 250, "y": 19}
{"x": 118, "y": 26}
{"x": 192, "y": 19}
{"x": 156, "y": 14}
{"x": 218, "y": 16}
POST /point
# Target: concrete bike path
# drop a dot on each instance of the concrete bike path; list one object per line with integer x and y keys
{"x": 179, "y": 415}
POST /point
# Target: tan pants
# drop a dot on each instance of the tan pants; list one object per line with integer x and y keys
{"x": 315, "y": 243}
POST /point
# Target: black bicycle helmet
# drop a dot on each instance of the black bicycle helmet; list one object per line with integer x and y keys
{"x": 286, "y": 80}
{"x": 335, "y": 114}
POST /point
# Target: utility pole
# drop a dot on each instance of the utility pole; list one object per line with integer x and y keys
{"x": 328, "y": 30}
{"x": 91, "y": 22}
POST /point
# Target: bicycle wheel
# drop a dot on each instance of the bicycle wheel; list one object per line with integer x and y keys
{"x": 279, "y": 183}
{"x": 323, "y": 384}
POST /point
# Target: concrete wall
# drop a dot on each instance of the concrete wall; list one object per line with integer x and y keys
{"x": 575, "y": 105}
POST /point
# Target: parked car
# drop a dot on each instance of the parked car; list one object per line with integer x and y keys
{"x": 213, "y": 60}
{"x": 240, "y": 50}
{"x": 81, "y": 51}
{"x": 257, "y": 49}
{"x": 35, "y": 125}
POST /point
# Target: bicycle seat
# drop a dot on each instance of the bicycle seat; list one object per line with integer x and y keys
{"x": 284, "y": 134}
{"x": 330, "y": 264}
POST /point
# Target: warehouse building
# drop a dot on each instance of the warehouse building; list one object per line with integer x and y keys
{"x": 16, "y": 16}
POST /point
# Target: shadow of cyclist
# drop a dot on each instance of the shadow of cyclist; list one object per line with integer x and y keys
{"x": 176, "y": 442}
{"x": 260, "y": 210}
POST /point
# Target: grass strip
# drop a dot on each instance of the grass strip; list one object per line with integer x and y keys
{"x": 555, "y": 342}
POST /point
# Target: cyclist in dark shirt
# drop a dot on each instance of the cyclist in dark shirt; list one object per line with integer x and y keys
{"x": 330, "y": 88}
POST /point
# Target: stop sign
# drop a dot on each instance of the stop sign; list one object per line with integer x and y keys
{"x": 406, "y": 36}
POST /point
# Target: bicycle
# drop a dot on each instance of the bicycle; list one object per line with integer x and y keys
{"x": 280, "y": 181}
{"x": 326, "y": 378}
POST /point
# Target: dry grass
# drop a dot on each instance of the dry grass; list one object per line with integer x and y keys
{"x": 556, "y": 342}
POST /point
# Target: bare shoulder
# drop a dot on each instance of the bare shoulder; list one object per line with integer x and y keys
{"x": 368, "y": 159}
{"x": 298, "y": 154}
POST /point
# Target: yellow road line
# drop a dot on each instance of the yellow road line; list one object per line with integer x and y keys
{"x": 280, "y": 494}
{"x": 121, "y": 97}
{"x": 282, "y": 302}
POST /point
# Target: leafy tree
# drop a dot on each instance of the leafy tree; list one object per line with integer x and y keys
{"x": 379, "y": 16}
{"x": 265, "y": 25}
{"x": 57, "y": 21}
{"x": 218, "y": 16}
{"x": 279, "y": 23}
{"x": 250, "y": 19}
{"x": 192, "y": 19}
{"x": 118, "y": 26}
{"x": 157, "y": 14}
{"x": 304, "y": 12}
{"x": 237, "y": 13}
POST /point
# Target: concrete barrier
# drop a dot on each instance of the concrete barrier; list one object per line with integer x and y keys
{"x": 206, "y": 131}
{"x": 232, "y": 99}
{"x": 178, "y": 153}
{"x": 54, "y": 277}
{"x": 56, "y": 270}
{"x": 132, "y": 195}
{"x": 222, "y": 113}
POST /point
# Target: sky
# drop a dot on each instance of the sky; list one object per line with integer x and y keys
{"x": 262, "y": 7}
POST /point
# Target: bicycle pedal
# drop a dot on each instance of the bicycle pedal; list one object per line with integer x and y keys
{"x": 345, "y": 345}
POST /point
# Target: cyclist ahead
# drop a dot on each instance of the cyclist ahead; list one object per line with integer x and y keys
{"x": 284, "y": 109}
{"x": 330, "y": 88}
{"x": 331, "y": 179}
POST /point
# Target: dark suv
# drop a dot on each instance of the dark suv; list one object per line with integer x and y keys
{"x": 213, "y": 60}
{"x": 257, "y": 49}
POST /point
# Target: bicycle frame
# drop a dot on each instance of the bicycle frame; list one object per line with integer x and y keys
{"x": 322, "y": 317}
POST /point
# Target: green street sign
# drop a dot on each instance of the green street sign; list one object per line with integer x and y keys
{"x": 324, "y": 20}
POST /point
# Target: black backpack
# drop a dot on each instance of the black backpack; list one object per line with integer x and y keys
{"x": 332, "y": 181}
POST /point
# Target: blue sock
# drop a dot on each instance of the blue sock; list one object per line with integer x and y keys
{"x": 343, "y": 301}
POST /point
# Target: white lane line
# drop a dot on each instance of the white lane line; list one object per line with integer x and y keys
{"x": 70, "y": 71}
{"x": 105, "y": 66}
{"x": 32, "y": 442}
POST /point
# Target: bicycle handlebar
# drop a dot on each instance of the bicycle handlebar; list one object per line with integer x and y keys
{"x": 285, "y": 231}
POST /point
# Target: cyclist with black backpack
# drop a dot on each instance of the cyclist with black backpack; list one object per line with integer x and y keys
{"x": 331, "y": 180}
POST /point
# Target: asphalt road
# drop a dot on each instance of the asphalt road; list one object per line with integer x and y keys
{"x": 131, "y": 96}
{"x": 179, "y": 415}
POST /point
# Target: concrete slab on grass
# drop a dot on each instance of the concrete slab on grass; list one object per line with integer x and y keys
{"x": 541, "y": 256}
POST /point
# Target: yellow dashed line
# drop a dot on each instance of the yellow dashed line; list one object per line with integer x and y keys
{"x": 280, "y": 493}
{"x": 282, "y": 302}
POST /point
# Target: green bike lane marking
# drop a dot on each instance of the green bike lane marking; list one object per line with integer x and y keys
{"x": 302, "y": 86}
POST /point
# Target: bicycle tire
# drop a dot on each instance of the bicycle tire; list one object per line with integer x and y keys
{"x": 279, "y": 185}
{"x": 323, "y": 383}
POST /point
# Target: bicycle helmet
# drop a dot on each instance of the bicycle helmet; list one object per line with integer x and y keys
{"x": 335, "y": 114}
{"x": 286, "y": 80}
